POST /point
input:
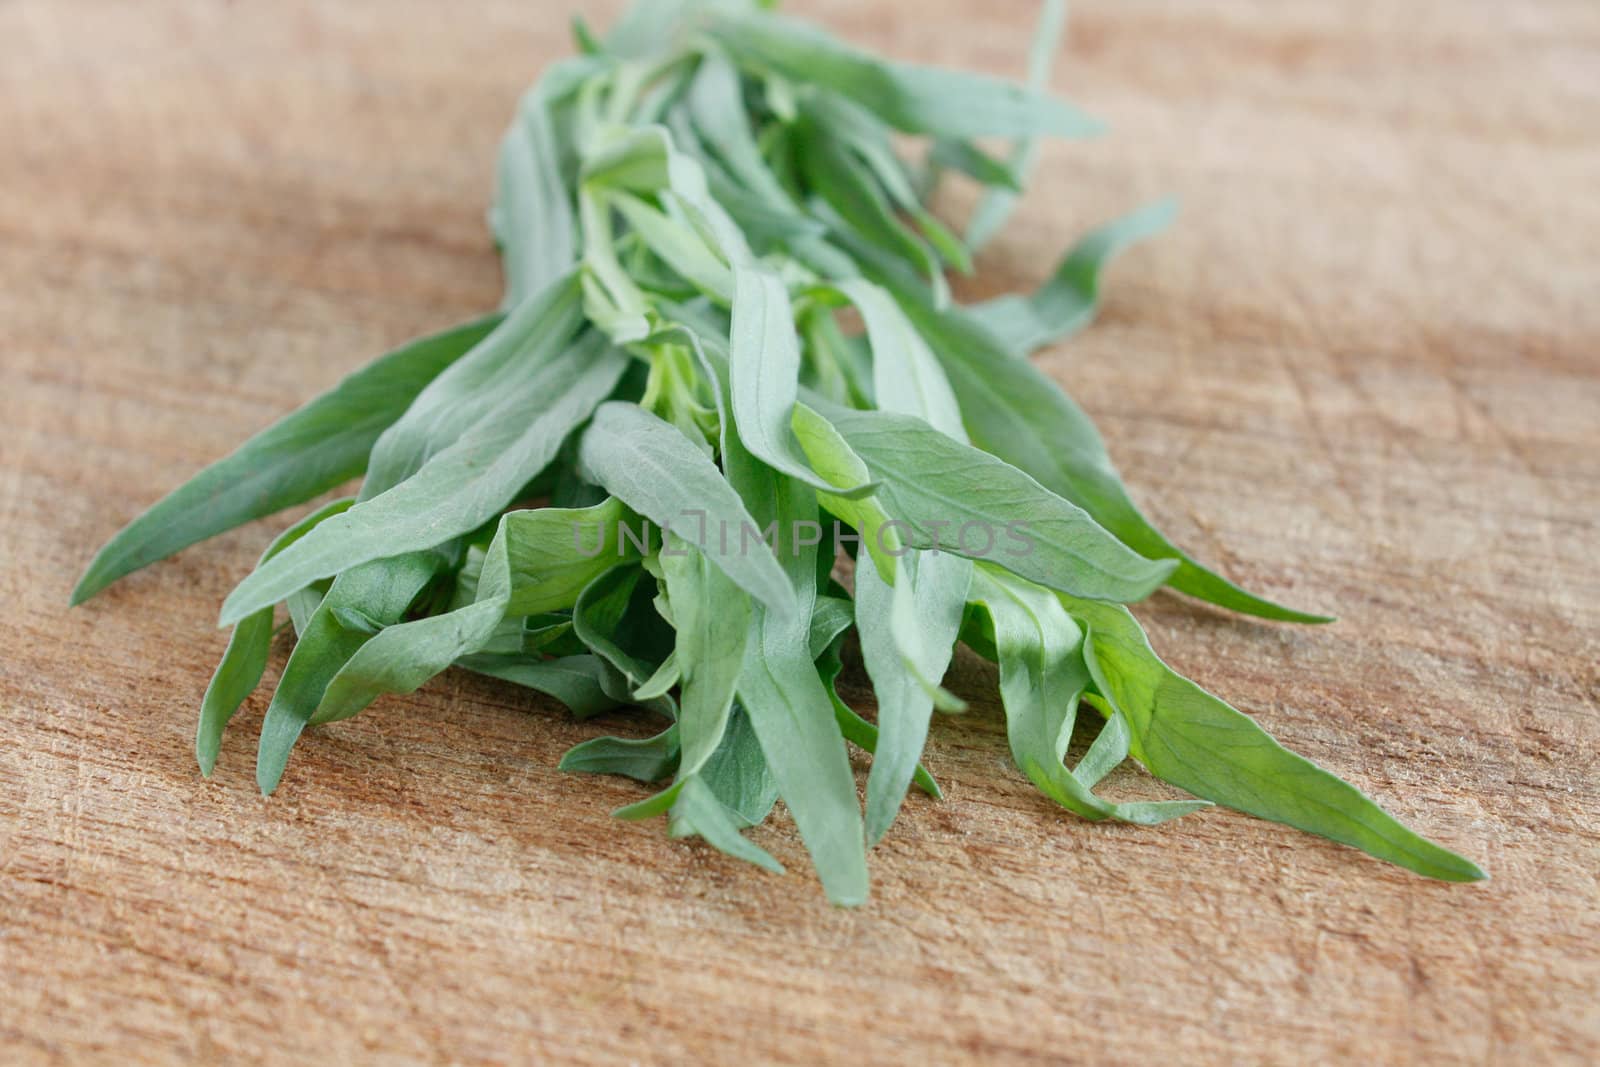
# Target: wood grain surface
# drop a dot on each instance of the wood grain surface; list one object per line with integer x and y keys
{"x": 1361, "y": 375}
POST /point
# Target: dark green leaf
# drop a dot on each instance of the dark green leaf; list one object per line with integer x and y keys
{"x": 382, "y": 590}
{"x": 321, "y": 446}
{"x": 573, "y": 680}
{"x": 458, "y": 489}
{"x": 1018, "y": 414}
{"x": 245, "y": 660}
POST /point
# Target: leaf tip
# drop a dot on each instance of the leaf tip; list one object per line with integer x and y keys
{"x": 271, "y": 764}
{"x": 851, "y": 899}
{"x": 90, "y": 584}
{"x": 230, "y": 615}
{"x": 1461, "y": 869}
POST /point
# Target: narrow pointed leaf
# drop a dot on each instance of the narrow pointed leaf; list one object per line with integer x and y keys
{"x": 788, "y": 705}
{"x": 698, "y": 811}
{"x": 904, "y": 664}
{"x": 538, "y": 329}
{"x": 940, "y": 103}
{"x": 764, "y": 368}
{"x": 457, "y": 490}
{"x": 858, "y": 731}
{"x": 1197, "y": 742}
{"x": 245, "y": 659}
{"x": 533, "y": 208}
{"x": 302, "y": 455}
{"x": 997, "y": 203}
{"x": 1068, "y": 300}
{"x": 712, "y": 617}
{"x": 573, "y": 680}
{"x": 647, "y": 759}
{"x": 1042, "y": 678}
{"x": 651, "y": 467}
{"x": 1018, "y": 414}
{"x": 1008, "y": 518}
{"x": 382, "y": 590}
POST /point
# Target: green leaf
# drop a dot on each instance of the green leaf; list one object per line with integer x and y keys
{"x": 302, "y": 455}
{"x": 402, "y": 658}
{"x": 536, "y": 330}
{"x": 738, "y": 773}
{"x": 905, "y": 658}
{"x": 533, "y": 209}
{"x": 573, "y": 680}
{"x": 831, "y": 617}
{"x": 302, "y": 604}
{"x": 869, "y": 140}
{"x": 1067, "y": 302}
{"x": 993, "y": 511}
{"x": 679, "y": 245}
{"x": 540, "y": 560}
{"x": 837, "y": 463}
{"x": 647, "y": 29}
{"x": 245, "y": 660}
{"x": 651, "y": 467}
{"x": 615, "y": 618}
{"x": 764, "y": 367}
{"x": 712, "y": 619}
{"x": 856, "y": 730}
{"x": 861, "y": 207}
{"x": 698, "y": 811}
{"x": 458, "y": 489}
{"x": 647, "y": 759}
{"x": 906, "y": 376}
{"x": 645, "y": 161}
{"x": 1042, "y": 678}
{"x": 995, "y": 207}
{"x": 382, "y": 590}
{"x": 966, "y": 158}
{"x": 1018, "y": 414}
{"x": 714, "y": 104}
{"x": 552, "y": 554}
{"x": 1195, "y": 741}
{"x": 1106, "y": 752}
{"x": 662, "y": 682}
{"x": 788, "y": 705}
{"x": 794, "y": 720}
{"x": 583, "y": 37}
{"x": 941, "y": 103}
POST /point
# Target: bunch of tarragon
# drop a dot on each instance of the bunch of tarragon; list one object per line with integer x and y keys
{"x": 727, "y": 379}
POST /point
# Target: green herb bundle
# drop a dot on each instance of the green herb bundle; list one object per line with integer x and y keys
{"x": 727, "y": 362}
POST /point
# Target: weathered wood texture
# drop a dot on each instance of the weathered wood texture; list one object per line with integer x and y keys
{"x": 1361, "y": 374}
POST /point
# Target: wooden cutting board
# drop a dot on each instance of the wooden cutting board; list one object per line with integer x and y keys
{"x": 1360, "y": 375}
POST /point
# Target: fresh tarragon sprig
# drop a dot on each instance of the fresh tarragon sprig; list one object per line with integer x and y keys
{"x": 726, "y": 310}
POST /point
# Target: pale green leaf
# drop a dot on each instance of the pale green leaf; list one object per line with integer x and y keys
{"x": 1197, "y": 742}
